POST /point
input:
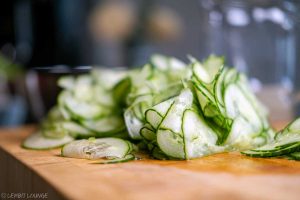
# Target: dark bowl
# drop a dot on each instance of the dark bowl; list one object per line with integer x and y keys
{"x": 42, "y": 89}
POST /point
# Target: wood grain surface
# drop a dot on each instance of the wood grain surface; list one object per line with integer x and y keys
{"x": 221, "y": 176}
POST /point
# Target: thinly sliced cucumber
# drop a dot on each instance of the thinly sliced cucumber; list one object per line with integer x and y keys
{"x": 201, "y": 73}
{"x": 169, "y": 133}
{"x": 147, "y": 133}
{"x": 261, "y": 111}
{"x": 245, "y": 87}
{"x": 67, "y": 82}
{"x": 231, "y": 76}
{"x": 295, "y": 155}
{"x": 237, "y": 104}
{"x": 218, "y": 88}
{"x": 53, "y": 130}
{"x": 85, "y": 110}
{"x": 107, "y": 77}
{"x": 285, "y": 141}
{"x": 121, "y": 90}
{"x": 80, "y": 109}
{"x": 105, "y": 126}
{"x": 133, "y": 124}
{"x": 132, "y": 147}
{"x": 163, "y": 107}
{"x": 199, "y": 138}
{"x": 153, "y": 117}
{"x": 140, "y": 94}
{"x": 54, "y": 114}
{"x": 38, "y": 142}
{"x": 211, "y": 110}
{"x": 158, "y": 154}
{"x": 155, "y": 114}
{"x": 178, "y": 111}
{"x": 97, "y": 148}
{"x": 293, "y": 127}
{"x": 151, "y": 146}
{"x": 159, "y": 62}
{"x": 76, "y": 130}
{"x": 271, "y": 148}
{"x": 173, "y": 118}
{"x": 139, "y": 77}
{"x": 171, "y": 143}
{"x": 288, "y": 150}
{"x": 58, "y": 129}
{"x": 208, "y": 71}
{"x": 140, "y": 104}
{"x": 176, "y": 64}
{"x": 167, "y": 93}
{"x": 165, "y": 63}
{"x": 143, "y": 107}
{"x": 122, "y": 135}
{"x": 139, "y": 108}
{"x": 157, "y": 81}
{"x": 84, "y": 89}
{"x": 64, "y": 112}
{"x": 84, "y": 80}
{"x": 148, "y": 126}
{"x": 127, "y": 158}
{"x": 214, "y": 63}
{"x": 137, "y": 111}
{"x": 103, "y": 97}
{"x": 290, "y": 130}
{"x": 206, "y": 98}
{"x": 243, "y": 136}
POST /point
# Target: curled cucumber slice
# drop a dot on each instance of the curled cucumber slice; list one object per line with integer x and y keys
{"x": 97, "y": 148}
{"x": 39, "y": 142}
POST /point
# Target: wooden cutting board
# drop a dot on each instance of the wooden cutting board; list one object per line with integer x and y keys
{"x": 222, "y": 176}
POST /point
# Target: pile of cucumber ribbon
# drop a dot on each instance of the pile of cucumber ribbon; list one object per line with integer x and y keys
{"x": 166, "y": 108}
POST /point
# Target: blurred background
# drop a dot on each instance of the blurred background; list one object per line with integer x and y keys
{"x": 41, "y": 40}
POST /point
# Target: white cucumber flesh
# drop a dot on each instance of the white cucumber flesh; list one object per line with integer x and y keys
{"x": 237, "y": 104}
{"x": 199, "y": 139}
{"x": 133, "y": 124}
{"x": 104, "y": 126}
{"x": 38, "y": 142}
{"x": 97, "y": 148}
{"x": 169, "y": 134}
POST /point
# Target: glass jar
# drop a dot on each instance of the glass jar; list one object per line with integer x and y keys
{"x": 259, "y": 38}
{"x": 293, "y": 10}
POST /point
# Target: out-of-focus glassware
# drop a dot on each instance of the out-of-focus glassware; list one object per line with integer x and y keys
{"x": 259, "y": 38}
{"x": 126, "y": 32}
{"x": 293, "y": 8}
{"x": 12, "y": 103}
